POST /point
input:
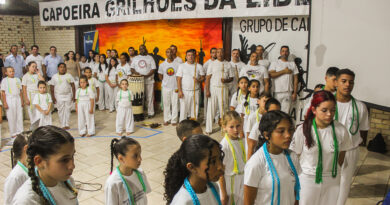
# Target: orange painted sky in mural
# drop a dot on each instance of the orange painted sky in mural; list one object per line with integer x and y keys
{"x": 185, "y": 34}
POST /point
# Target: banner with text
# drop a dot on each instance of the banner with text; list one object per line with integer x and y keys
{"x": 272, "y": 33}
{"x": 82, "y": 12}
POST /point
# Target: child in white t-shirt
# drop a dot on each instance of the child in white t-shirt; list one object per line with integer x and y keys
{"x": 127, "y": 184}
{"x": 124, "y": 114}
{"x": 93, "y": 83}
{"x": 254, "y": 71}
{"x": 238, "y": 98}
{"x": 99, "y": 73}
{"x": 111, "y": 83}
{"x": 43, "y": 103}
{"x": 232, "y": 183}
{"x": 85, "y": 104}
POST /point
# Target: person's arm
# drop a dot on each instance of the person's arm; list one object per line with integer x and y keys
{"x": 294, "y": 94}
{"x": 21, "y": 99}
{"x": 341, "y": 158}
{"x": 251, "y": 147}
{"x": 78, "y": 69}
{"x": 207, "y": 85}
{"x": 151, "y": 72}
{"x": 40, "y": 109}
{"x": 224, "y": 195}
{"x": 180, "y": 94}
{"x": 52, "y": 94}
{"x": 363, "y": 134}
{"x": 250, "y": 194}
{"x": 160, "y": 76}
{"x": 40, "y": 77}
{"x": 266, "y": 85}
{"x": 1, "y": 114}
{"x": 44, "y": 70}
{"x": 47, "y": 112}
{"x": 73, "y": 91}
{"x": 116, "y": 80}
{"x": 4, "y": 98}
{"x": 92, "y": 100}
{"x": 109, "y": 82}
{"x": 97, "y": 94}
{"x": 274, "y": 74}
{"x": 24, "y": 90}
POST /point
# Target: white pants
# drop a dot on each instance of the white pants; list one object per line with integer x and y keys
{"x": 205, "y": 105}
{"x": 85, "y": 119}
{"x": 236, "y": 184}
{"x": 64, "y": 107}
{"x": 106, "y": 101}
{"x": 347, "y": 171}
{"x": 325, "y": 193}
{"x": 187, "y": 105}
{"x": 100, "y": 102}
{"x": 110, "y": 96}
{"x": 170, "y": 101}
{"x": 124, "y": 119}
{"x": 285, "y": 101}
{"x": 232, "y": 89}
{"x": 44, "y": 119}
{"x": 149, "y": 98}
{"x": 217, "y": 101}
{"x": 32, "y": 112}
{"x": 14, "y": 114}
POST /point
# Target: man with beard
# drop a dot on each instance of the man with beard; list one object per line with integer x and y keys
{"x": 174, "y": 54}
{"x": 260, "y": 57}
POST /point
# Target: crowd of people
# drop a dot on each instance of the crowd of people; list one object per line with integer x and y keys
{"x": 262, "y": 159}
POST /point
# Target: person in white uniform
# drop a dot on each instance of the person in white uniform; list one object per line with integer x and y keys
{"x": 237, "y": 65}
{"x": 238, "y": 98}
{"x": 111, "y": 83}
{"x": 99, "y": 74}
{"x": 167, "y": 74}
{"x": 144, "y": 65}
{"x": 353, "y": 114}
{"x": 63, "y": 93}
{"x": 176, "y": 58}
{"x": 124, "y": 114}
{"x": 30, "y": 88}
{"x": 189, "y": 76}
{"x": 132, "y": 54}
{"x": 254, "y": 71}
{"x": 93, "y": 84}
{"x": 34, "y": 56}
{"x": 85, "y": 104}
{"x": 43, "y": 104}
{"x": 47, "y": 174}
{"x": 123, "y": 68}
{"x": 213, "y": 57}
{"x": 128, "y": 183}
{"x": 219, "y": 74}
{"x": 321, "y": 143}
{"x": 285, "y": 79}
{"x": 13, "y": 101}
{"x": 260, "y": 57}
{"x": 192, "y": 170}
{"x": 271, "y": 174}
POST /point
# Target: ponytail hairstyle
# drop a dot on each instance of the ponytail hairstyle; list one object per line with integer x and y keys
{"x": 318, "y": 98}
{"x": 248, "y": 93}
{"x": 119, "y": 147}
{"x": 110, "y": 66}
{"x": 46, "y": 141}
{"x": 85, "y": 78}
{"x": 18, "y": 146}
{"x": 268, "y": 123}
{"x": 105, "y": 62}
{"x": 238, "y": 82}
{"x": 193, "y": 150}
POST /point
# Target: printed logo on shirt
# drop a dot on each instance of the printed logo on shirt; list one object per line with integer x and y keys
{"x": 170, "y": 71}
{"x": 252, "y": 73}
{"x": 142, "y": 64}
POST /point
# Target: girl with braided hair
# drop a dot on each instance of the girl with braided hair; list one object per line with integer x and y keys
{"x": 128, "y": 183}
{"x": 192, "y": 170}
{"x": 50, "y": 157}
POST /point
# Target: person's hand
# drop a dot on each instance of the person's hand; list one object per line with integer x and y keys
{"x": 225, "y": 200}
{"x": 46, "y": 112}
{"x": 96, "y": 99}
{"x": 77, "y": 110}
{"x": 181, "y": 95}
{"x": 22, "y": 104}
{"x": 208, "y": 94}
{"x": 91, "y": 111}
{"x": 287, "y": 71}
{"x": 74, "y": 100}
{"x": 223, "y": 80}
{"x": 27, "y": 102}
{"x": 294, "y": 97}
{"x": 54, "y": 100}
{"x": 113, "y": 85}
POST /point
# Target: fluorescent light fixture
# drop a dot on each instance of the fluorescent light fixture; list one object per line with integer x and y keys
{"x": 2, "y": 1}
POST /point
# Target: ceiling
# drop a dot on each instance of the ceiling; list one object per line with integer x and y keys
{"x": 20, "y": 7}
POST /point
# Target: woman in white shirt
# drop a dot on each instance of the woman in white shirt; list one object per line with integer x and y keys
{"x": 111, "y": 83}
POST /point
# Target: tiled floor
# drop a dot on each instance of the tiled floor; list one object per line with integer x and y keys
{"x": 93, "y": 161}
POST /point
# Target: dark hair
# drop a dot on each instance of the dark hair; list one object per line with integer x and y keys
{"x": 238, "y": 88}
{"x": 131, "y": 48}
{"x": 18, "y": 145}
{"x": 126, "y": 56}
{"x": 108, "y": 50}
{"x": 105, "y": 62}
{"x": 345, "y": 71}
{"x": 185, "y": 127}
{"x": 318, "y": 98}
{"x": 87, "y": 68}
{"x": 332, "y": 71}
{"x": 213, "y": 48}
{"x": 41, "y": 82}
{"x": 67, "y": 56}
{"x": 52, "y": 47}
{"x": 89, "y": 59}
{"x": 192, "y": 150}
{"x": 30, "y": 63}
{"x": 271, "y": 101}
{"x": 119, "y": 146}
{"x": 260, "y": 46}
{"x": 236, "y": 49}
{"x": 191, "y": 51}
{"x": 248, "y": 93}
{"x": 319, "y": 86}
{"x": 85, "y": 78}
{"x": 61, "y": 64}
{"x": 284, "y": 46}
{"x": 45, "y": 141}
{"x": 124, "y": 80}
{"x": 268, "y": 123}
{"x": 110, "y": 65}
{"x": 173, "y": 46}
{"x": 34, "y": 46}
{"x": 265, "y": 95}
{"x": 116, "y": 52}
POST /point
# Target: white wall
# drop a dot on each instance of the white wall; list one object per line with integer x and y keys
{"x": 353, "y": 34}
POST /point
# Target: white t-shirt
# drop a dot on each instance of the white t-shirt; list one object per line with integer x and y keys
{"x": 182, "y": 197}
{"x": 38, "y": 59}
{"x": 253, "y": 118}
{"x": 187, "y": 71}
{"x": 238, "y": 102}
{"x": 215, "y": 70}
{"x": 143, "y": 65}
{"x": 61, "y": 194}
{"x": 252, "y": 106}
{"x": 13, "y": 182}
{"x": 264, "y": 63}
{"x": 86, "y": 64}
{"x": 283, "y": 83}
{"x": 169, "y": 70}
{"x": 257, "y": 72}
{"x": 11, "y": 86}
{"x": 42, "y": 100}
{"x": 228, "y": 159}
{"x": 101, "y": 75}
{"x": 112, "y": 75}
{"x": 309, "y": 157}
{"x": 93, "y": 84}
{"x": 62, "y": 83}
{"x": 177, "y": 60}
{"x": 31, "y": 82}
{"x": 345, "y": 118}
{"x": 258, "y": 175}
{"x": 255, "y": 132}
{"x": 236, "y": 68}
{"x": 84, "y": 94}
{"x": 115, "y": 191}
{"x": 123, "y": 99}
{"x": 123, "y": 71}
{"x": 207, "y": 64}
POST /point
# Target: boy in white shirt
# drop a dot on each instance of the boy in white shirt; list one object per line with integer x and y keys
{"x": 167, "y": 74}
{"x": 353, "y": 114}
{"x": 219, "y": 74}
{"x": 189, "y": 76}
{"x": 63, "y": 94}
{"x": 144, "y": 65}
{"x": 285, "y": 79}
{"x": 13, "y": 102}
